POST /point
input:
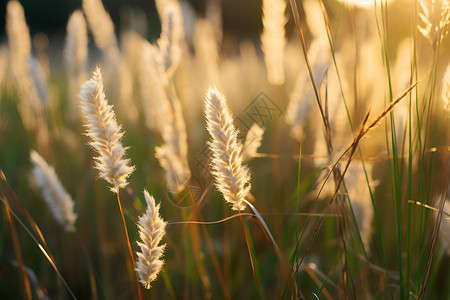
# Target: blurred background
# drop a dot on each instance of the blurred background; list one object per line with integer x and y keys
{"x": 241, "y": 18}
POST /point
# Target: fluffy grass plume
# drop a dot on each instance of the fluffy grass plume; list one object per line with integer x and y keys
{"x": 232, "y": 178}
{"x": 151, "y": 84}
{"x": 54, "y": 194}
{"x": 76, "y": 48}
{"x": 172, "y": 155}
{"x": 18, "y": 38}
{"x": 273, "y": 39}
{"x": 445, "y": 95}
{"x": 206, "y": 50}
{"x": 359, "y": 194}
{"x": 435, "y": 17}
{"x": 252, "y": 142}
{"x": 151, "y": 230}
{"x": 302, "y": 97}
{"x": 102, "y": 28}
{"x": 164, "y": 113}
{"x": 105, "y": 133}
{"x": 19, "y": 42}
{"x": 172, "y": 34}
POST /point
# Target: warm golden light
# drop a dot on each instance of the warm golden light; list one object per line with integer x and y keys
{"x": 365, "y": 3}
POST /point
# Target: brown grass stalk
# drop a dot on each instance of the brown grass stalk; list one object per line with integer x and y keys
{"x": 129, "y": 245}
{"x": 17, "y": 250}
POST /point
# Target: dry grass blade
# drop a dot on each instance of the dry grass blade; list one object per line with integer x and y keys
{"x": 39, "y": 240}
{"x": 434, "y": 237}
{"x": 305, "y": 54}
{"x": 16, "y": 244}
{"x": 276, "y": 249}
{"x": 352, "y": 148}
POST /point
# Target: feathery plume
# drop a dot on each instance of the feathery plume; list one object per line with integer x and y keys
{"x": 164, "y": 113}
{"x": 105, "y": 133}
{"x": 172, "y": 34}
{"x": 273, "y": 39}
{"x": 445, "y": 95}
{"x": 102, "y": 28}
{"x": 152, "y": 84}
{"x": 39, "y": 80}
{"x": 206, "y": 50}
{"x": 435, "y": 16}
{"x": 75, "y": 51}
{"x": 172, "y": 155}
{"x": 214, "y": 17}
{"x": 18, "y": 38}
{"x": 365, "y": 3}
{"x": 302, "y": 98}
{"x": 359, "y": 194}
{"x": 54, "y": 194}
{"x": 300, "y": 104}
{"x": 151, "y": 230}
{"x": 30, "y": 107}
{"x": 232, "y": 178}
{"x": 252, "y": 142}
{"x": 315, "y": 21}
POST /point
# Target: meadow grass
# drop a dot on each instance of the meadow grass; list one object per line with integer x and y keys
{"x": 309, "y": 162}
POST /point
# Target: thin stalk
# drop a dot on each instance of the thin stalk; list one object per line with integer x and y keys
{"x": 250, "y": 254}
{"x": 298, "y": 200}
{"x": 215, "y": 262}
{"x": 331, "y": 42}
{"x": 47, "y": 254}
{"x": 18, "y": 251}
{"x": 129, "y": 245}
{"x": 42, "y": 244}
{"x": 396, "y": 190}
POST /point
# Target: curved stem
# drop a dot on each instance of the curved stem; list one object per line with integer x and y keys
{"x": 250, "y": 254}
{"x": 129, "y": 245}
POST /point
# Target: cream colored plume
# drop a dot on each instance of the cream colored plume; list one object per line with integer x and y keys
{"x": 30, "y": 107}
{"x": 54, "y": 194}
{"x": 164, "y": 113}
{"x": 314, "y": 19}
{"x": 172, "y": 155}
{"x": 302, "y": 98}
{"x": 152, "y": 82}
{"x": 445, "y": 95}
{"x": 252, "y": 142}
{"x": 435, "y": 17}
{"x": 206, "y": 51}
{"x": 18, "y": 38}
{"x": 368, "y": 4}
{"x": 102, "y": 28}
{"x": 172, "y": 34}
{"x": 214, "y": 17}
{"x": 232, "y": 178}
{"x": 76, "y": 47}
{"x": 273, "y": 39}
{"x": 105, "y": 133}
{"x": 360, "y": 199}
{"x": 151, "y": 230}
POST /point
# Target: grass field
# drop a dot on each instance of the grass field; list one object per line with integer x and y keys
{"x": 310, "y": 161}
